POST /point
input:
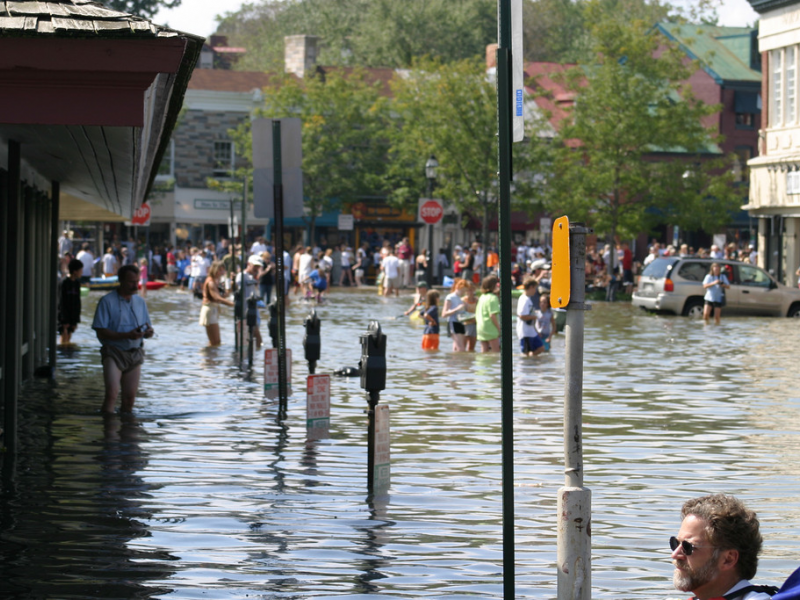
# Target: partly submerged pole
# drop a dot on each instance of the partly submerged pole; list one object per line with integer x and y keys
{"x": 504, "y": 137}
{"x": 574, "y": 500}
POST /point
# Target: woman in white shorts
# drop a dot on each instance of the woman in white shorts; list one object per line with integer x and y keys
{"x": 209, "y": 313}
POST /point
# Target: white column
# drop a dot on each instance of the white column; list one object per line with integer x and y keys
{"x": 763, "y": 239}
{"x": 791, "y": 250}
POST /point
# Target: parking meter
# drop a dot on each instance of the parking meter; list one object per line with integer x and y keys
{"x": 272, "y": 325}
{"x": 252, "y": 310}
{"x": 312, "y": 343}
{"x": 373, "y": 361}
{"x": 237, "y": 304}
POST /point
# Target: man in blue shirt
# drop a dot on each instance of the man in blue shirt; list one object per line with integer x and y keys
{"x": 121, "y": 322}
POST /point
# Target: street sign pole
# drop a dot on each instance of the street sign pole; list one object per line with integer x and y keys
{"x": 504, "y": 137}
{"x": 278, "y": 206}
{"x": 574, "y": 500}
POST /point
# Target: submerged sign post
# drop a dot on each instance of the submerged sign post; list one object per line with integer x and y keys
{"x": 318, "y": 406}
{"x": 381, "y": 460}
{"x": 271, "y": 379}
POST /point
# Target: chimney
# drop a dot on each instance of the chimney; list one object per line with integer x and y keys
{"x": 300, "y": 54}
{"x": 216, "y": 41}
{"x": 491, "y": 56}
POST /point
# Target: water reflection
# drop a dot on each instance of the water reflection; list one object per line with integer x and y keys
{"x": 208, "y": 495}
{"x": 77, "y": 502}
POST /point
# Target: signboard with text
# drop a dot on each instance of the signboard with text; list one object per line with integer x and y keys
{"x": 318, "y": 406}
{"x": 382, "y": 459}
{"x": 346, "y": 222}
{"x": 271, "y": 372}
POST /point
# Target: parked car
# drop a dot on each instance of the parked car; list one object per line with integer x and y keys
{"x": 674, "y": 284}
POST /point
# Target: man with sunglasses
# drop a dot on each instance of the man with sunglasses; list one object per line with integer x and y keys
{"x": 716, "y": 550}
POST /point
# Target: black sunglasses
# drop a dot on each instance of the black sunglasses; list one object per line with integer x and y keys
{"x": 687, "y": 547}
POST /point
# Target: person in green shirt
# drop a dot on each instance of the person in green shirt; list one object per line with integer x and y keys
{"x": 487, "y": 315}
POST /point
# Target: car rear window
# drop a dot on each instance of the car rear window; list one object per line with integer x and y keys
{"x": 694, "y": 271}
{"x": 659, "y": 267}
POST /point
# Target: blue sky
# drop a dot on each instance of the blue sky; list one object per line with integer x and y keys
{"x": 197, "y": 16}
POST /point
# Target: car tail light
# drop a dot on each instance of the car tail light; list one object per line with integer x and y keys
{"x": 668, "y": 285}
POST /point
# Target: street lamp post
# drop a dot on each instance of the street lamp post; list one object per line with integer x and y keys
{"x": 430, "y": 174}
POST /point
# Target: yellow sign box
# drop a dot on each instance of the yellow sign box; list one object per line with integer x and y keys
{"x": 559, "y": 283}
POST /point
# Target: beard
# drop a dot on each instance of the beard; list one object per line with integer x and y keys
{"x": 688, "y": 579}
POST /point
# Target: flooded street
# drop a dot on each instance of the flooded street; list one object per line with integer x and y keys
{"x": 203, "y": 494}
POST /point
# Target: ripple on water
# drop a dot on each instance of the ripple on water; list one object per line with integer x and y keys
{"x": 204, "y": 495}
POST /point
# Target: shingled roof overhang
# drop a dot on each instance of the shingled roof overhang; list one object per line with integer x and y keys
{"x": 763, "y": 6}
{"x": 92, "y": 95}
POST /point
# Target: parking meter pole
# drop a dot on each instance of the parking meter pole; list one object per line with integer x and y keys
{"x": 574, "y": 501}
{"x": 278, "y": 206}
{"x": 374, "y": 398}
{"x": 312, "y": 343}
{"x": 373, "y": 380}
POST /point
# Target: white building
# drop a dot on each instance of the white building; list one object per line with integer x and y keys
{"x": 775, "y": 172}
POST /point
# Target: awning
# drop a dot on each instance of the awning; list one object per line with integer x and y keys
{"x": 327, "y": 219}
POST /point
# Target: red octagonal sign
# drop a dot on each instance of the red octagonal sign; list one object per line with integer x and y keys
{"x": 142, "y": 215}
{"x": 431, "y": 212}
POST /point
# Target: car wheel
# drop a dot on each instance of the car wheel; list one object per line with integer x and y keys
{"x": 794, "y": 311}
{"x": 693, "y": 308}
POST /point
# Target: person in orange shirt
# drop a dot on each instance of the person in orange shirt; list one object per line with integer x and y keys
{"x": 492, "y": 259}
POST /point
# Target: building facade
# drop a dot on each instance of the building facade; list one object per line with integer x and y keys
{"x": 775, "y": 173}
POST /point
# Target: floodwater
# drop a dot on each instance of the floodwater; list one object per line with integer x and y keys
{"x": 204, "y": 494}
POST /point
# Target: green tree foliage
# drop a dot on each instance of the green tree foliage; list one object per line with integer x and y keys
{"x": 644, "y": 156}
{"x": 449, "y": 110}
{"x": 344, "y": 147}
{"x": 363, "y": 32}
{"x": 559, "y": 30}
{"x": 142, "y": 8}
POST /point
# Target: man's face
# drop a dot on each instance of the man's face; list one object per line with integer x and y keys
{"x": 129, "y": 284}
{"x": 695, "y": 571}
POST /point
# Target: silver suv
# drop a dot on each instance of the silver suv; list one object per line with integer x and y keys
{"x": 674, "y": 284}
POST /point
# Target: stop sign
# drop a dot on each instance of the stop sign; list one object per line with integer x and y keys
{"x": 431, "y": 211}
{"x": 142, "y": 215}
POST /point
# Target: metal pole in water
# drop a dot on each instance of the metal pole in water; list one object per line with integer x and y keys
{"x": 278, "y": 203}
{"x": 574, "y": 500}
{"x": 504, "y": 160}
{"x": 242, "y": 286}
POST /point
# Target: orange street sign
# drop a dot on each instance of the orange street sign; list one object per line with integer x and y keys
{"x": 559, "y": 282}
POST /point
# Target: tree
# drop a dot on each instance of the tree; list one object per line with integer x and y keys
{"x": 559, "y": 30}
{"x": 643, "y": 155}
{"x": 344, "y": 149}
{"x": 449, "y": 110}
{"x": 142, "y": 8}
{"x": 363, "y": 32}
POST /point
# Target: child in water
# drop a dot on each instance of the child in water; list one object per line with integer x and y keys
{"x": 69, "y": 308}
{"x": 430, "y": 337}
{"x": 143, "y": 276}
{"x": 545, "y": 322}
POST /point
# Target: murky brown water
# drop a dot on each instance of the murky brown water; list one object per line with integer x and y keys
{"x": 203, "y": 494}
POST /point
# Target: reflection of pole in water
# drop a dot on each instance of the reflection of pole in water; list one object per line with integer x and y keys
{"x": 275, "y": 542}
{"x": 376, "y": 535}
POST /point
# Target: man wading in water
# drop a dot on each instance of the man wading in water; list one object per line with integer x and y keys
{"x": 121, "y": 323}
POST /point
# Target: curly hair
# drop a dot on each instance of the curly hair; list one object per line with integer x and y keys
{"x": 729, "y": 525}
